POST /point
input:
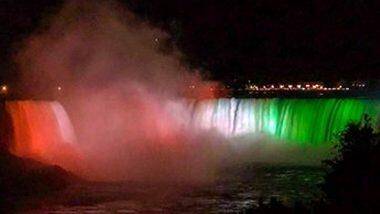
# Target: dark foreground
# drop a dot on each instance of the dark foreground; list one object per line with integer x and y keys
{"x": 237, "y": 190}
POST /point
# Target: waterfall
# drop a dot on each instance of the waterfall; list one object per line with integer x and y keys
{"x": 300, "y": 121}
{"x": 42, "y": 131}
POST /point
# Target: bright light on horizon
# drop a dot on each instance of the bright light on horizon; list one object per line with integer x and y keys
{"x": 4, "y": 89}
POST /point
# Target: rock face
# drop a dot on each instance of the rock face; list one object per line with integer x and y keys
{"x": 22, "y": 178}
{"x": 5, "y": 128}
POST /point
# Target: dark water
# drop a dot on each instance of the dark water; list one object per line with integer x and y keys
{"x": 236, "y": 190}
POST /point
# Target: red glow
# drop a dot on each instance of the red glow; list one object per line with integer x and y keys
{"x": 206, "y": 90}
{"x": 41, "y": 131}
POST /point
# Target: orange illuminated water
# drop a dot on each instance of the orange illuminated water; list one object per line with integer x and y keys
{"x": 42, "y": 131}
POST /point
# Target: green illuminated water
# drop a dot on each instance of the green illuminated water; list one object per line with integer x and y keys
{"x": 300, "y": 121}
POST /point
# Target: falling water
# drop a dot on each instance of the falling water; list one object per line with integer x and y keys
{"x": 40, "y": 127}
{"x": 42, "y": 131}
{"x": 300, "y": 121}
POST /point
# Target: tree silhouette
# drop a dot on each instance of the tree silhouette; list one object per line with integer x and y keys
{"x": 352, "y": 181}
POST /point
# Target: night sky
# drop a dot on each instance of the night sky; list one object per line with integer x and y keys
{"x": 263, "y": 40}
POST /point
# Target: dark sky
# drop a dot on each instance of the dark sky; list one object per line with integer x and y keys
{"x": 263, "y": 40}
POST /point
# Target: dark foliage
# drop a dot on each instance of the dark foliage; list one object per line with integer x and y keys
{"x": 353, "y": 178}
{"x": 352, "y": 181}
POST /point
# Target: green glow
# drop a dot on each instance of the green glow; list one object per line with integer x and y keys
{"x": 301, "y": 121}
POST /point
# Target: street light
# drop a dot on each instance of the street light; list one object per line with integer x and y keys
{"x": 4, "y": 89}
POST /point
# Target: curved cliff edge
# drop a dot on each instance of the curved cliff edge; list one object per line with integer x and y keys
{"x": 22, "y": 179}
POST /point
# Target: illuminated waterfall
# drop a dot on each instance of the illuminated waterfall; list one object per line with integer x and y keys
{"x": 302, "y": 121}
{"x": 43, "y": 131}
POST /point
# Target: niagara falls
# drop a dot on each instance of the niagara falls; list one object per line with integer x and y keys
{"x": 116, "y": 106}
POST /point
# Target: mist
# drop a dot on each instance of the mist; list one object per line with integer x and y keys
{"x": 124, "y": 95}
{"x": 129, "y": 99}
